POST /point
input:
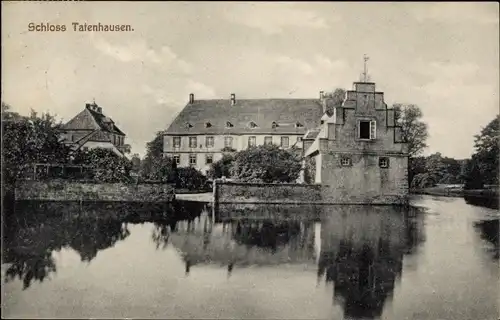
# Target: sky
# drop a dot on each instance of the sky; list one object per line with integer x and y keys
{"x": 443, "y": 57}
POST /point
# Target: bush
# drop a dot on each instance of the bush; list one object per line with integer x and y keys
{"x": 158, "y": 168}
{"x": 268, "y": 164}
{"x": 221, "y": 168}
{"x": 107, "y": 165}
{"x": 190, "y": 178}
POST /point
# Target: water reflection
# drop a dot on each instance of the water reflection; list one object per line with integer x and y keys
{"x": 489, "y": 231}
{"x": 347, "y": 261}
{"x": 29, "y": 251}
{"x": 362, "y": 251}
{"x": 37, "y": 229}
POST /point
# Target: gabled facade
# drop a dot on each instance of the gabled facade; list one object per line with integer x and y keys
{"x": 359, "y": 153}
{"x": 204, "y": 128}
{"x": 91, "y": 129}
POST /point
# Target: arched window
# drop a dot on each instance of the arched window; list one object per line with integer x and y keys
{"x": 275, "y": 125}
{"x": 229, "y": 125}
{"x": 252, "y": 124}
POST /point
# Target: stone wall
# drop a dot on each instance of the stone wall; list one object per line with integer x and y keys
{"x": 234, "y": 192}
{"x": 364, "y": 182}
{"x": 275, "y": 193}
{"x": 59, "y": 190}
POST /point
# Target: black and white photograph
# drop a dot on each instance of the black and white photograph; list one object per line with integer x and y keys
{"x": 250, "y": 160}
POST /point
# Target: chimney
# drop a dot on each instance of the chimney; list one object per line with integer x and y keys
{"x": 321, "y": 95}
{"x": 99, "y": 109}
{"x": 233, "y": 99}
{"x": 191, "y": 97}
{"x": 87, "y": 105}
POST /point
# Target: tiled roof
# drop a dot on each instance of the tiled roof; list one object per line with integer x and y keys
{"x": 91, "y": 120}
{"x": 312, "y": 134}
{"x": 220, "y": 117}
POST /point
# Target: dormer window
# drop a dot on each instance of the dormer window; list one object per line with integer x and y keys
{"x": 274, "y": 125}
{"x": 229, "y": 125}
{"x": 208, "y": 125}
{"x": 252, "y": 125}
{"x": 188, "y": 125}
{"x": 299, "y": 125}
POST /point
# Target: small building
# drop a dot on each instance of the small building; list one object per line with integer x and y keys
{"x": 358, "y": 150}
{"x": 204, "y": 129}
{"x": 91, "y": 129}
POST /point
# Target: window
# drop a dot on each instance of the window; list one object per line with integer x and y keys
{"x": 229, "y": 125}
{"x": 252, "y": 125}
{"x": 275, "y": 125}
{"x": 299, "y": 125}
{"x": 192, "y": 159}
{"x": 252, "y": 141}
{"x": 208, "y": 125}
{"x": 228, "y": 142}
{"x": 209, "y": 158}
{"x": 192, "y": 142}
{"x": 177, "y": 142}
{"x": 268, "y": 140}
{"x": 177, "y": 158}
{"x": 345, "y": 161}
{"x": 72, "y": 137}
{"x": 285, "y": 142}
{"x": 299, "y": 139}
{"x": 209, "y": 142}
{"x": 383, "y": 162}
{"x": 188, "y": 125}
{"x": 367, "y": 130}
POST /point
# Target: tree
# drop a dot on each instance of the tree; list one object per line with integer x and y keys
{"x": 267, "y": 163}
{"x": 221, "y": 168}
{"x": 190, "y": 178}
{"x": 474, "y": 179}
{"x": 155, "y": 166}
{"x": 136, "y": 163}
{"x": 28, "y": 140}
{"x": 414, "y": 132}
{"x": 334, "y": 99}
{"x": 413, "y": 129}
{"x": 107, "y": 165}
{"x": 487, "y": 151}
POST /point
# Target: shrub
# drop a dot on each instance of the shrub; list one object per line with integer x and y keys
{"x": 158, "y": 168}
{"x": 190, "y": 178}
{"x": 267, "y": 163}
{"x": 108, "y": 166}
{"x": 222, "y": 167}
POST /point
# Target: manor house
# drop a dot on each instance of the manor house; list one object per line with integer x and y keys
{"x": 205, "y": 129}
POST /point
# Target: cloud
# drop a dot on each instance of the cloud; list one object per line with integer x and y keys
{"x": 297, "y": 64}
{"x": 163, "y": 96}
{"x": 139, "y": 51}
{"x": 200, "y": 89}
{"x": 481, "y": 13}
{"x": 273, "y": 18}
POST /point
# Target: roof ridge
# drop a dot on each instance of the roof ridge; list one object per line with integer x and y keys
{"x": 254, "y": 99}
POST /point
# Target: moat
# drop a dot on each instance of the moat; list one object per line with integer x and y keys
{"x": 436, "y": 260}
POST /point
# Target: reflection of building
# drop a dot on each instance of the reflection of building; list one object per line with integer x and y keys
{"x": 244, "y": 242}
{"x": 92, "y": 129}
{"x": 362, "y": 250}
{"x": 361, "y": 253}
